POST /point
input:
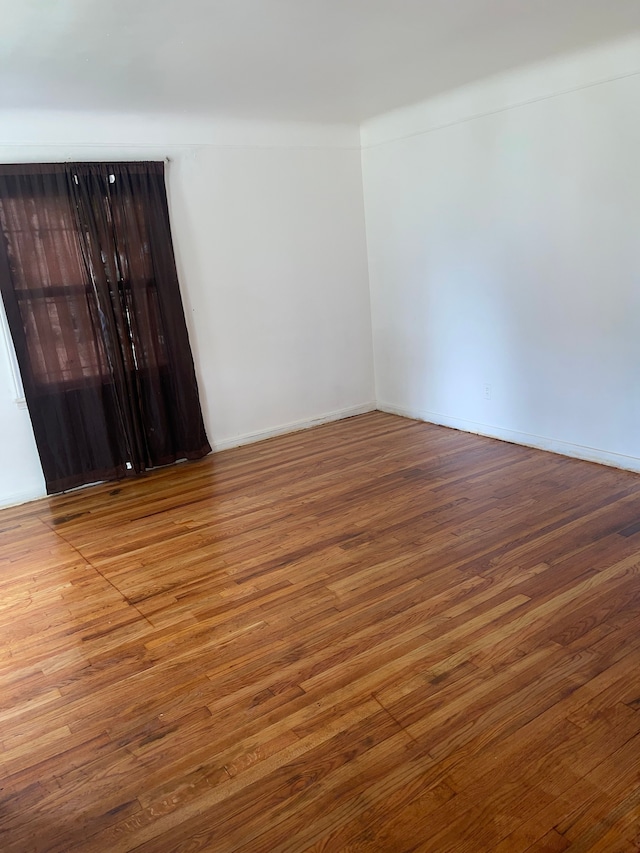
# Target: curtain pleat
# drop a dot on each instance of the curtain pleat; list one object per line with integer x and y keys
{"x": 89, "y": 282}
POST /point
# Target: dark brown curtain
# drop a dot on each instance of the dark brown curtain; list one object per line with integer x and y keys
{"x": 89, "y": 283}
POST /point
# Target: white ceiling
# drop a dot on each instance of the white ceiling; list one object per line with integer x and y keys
{"x": 309, "y": 60}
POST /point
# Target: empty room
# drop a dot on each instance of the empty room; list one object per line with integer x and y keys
{"x": 320, "y": 418}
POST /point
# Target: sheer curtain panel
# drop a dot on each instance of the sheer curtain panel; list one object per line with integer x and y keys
{"x": 89, "y": 283}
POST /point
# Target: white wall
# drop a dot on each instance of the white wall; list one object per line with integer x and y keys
{"x": 502, "y": 228}
{"x": 269, "y": 235}
{"x": 503, "y": 225}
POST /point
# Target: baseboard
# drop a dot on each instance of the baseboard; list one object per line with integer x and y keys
{"x": 539, "y": 442}
{"x": 17, "y": 498}
{"x": 293, "y": 426}
{"x": 576, "y": 451}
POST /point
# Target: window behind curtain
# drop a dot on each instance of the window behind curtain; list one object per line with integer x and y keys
{"x": 51, "y": 286}
{"x": 89, "y": 283}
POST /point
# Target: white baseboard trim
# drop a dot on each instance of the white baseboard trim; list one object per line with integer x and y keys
{"x": 564, "y": 448}
{"x": 292, "y": 426}
{"x": 539, "y": 442}
{"x": 17, "y": 498}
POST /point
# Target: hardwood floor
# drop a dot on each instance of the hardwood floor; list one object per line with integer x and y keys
{"x": 376, "y": 635}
